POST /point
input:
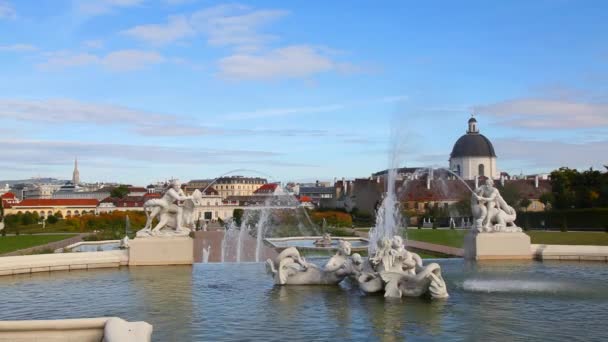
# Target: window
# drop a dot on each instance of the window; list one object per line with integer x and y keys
{"x": 458, "y": 170}
{"x": 481, "y": 170}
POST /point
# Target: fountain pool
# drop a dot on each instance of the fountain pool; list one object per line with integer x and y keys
{"x": 556, "y": 301}
{"x": 308, "y": 242}
{"x": 93, "y": 246}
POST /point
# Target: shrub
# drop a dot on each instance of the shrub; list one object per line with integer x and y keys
{"x": 333, "y": 218}
{"x": 593, "y": 218}
{"x": 237, "y": 215}
{"x": 52, "y": 219}
{"x": 340, "y": 232}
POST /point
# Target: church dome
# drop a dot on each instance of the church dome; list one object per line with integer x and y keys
{"x": 473, "y": 144}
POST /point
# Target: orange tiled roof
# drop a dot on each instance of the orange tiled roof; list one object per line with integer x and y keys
{"x": 8, "y": 195}
{"x": 34, "y": 202}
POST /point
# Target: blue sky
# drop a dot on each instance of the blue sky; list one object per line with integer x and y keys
{"x": 144, "y": 90}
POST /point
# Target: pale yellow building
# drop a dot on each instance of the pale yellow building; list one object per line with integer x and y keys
{"x": 229, "y": 186}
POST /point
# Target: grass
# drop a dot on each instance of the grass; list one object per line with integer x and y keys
{"x": 569, "y": 238}
{"x": 455, "y": 238}
{"x": 14, "y": 243}
{"x": 60, "y": 227}
{"x": 446, "y": 237}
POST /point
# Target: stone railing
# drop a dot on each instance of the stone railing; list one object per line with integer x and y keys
{"x": 107, "y": 329}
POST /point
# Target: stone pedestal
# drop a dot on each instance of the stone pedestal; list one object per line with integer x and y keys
{"x": 161, "y": 251}
{"x": 497, "y": 246}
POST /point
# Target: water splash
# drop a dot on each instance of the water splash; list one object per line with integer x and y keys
{"x": 388, "y": 215}
{"x": 515, "y": 286}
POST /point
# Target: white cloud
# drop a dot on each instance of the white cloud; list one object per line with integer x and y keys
{"x": 176, "y": 28}
{"x": 551, "y": 154}
{"x": 61, "y": 60}
{"x": 125, "y": 60}
{"x": 18, "y": 48}
{"x": 6, "y": 10}
{"x": 280, "y": 112}
{"x": 121, "y": 60}
{"x": 145, "y": 123}
{"x": 235, "y": 25}
{"x": 97, "y": 7}
{"x": 60, "y": 111}
{"x": 47, "y": 152}
{"x": 288, "y": 62}
{"x": 178, "y": 2}
{"x": 240, "y": 28}
{"x": 223, "y": 25}
{"x": 547, "y": 114}
{"x": 93, "y": 43}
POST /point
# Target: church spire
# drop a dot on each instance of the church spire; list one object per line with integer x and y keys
{"x": 76, "y": 173}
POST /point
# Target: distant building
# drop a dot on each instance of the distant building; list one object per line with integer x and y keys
{"x": 473, "y": 155}
{"x": 41, "y": 191}
{"x": 317, "y": 193}
{"x": 229, "y": 186}
{"x": 46, "y": 207}
{"x": 128, "y": 203}
{"x": 8, "y": 199}
{"x": 267, "y": 189}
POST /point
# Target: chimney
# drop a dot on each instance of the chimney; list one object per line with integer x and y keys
{"x": 428, "y": 181}
{"x": 345, "y": 186}
{"x": 536, "y": 181}
{"x": 476, "y": 182}
{"x": 502, "y": 180}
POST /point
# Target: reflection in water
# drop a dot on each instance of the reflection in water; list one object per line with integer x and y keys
{"x": 235, "y": 302}
{"x": 164, "y": 293}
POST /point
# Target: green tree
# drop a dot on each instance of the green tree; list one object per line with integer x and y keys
{"x": 511, "y": 195}
{"x": 237, "y": 215}
{"x": 547, "y": 199}
{"x": 58, "y": 215}
{"x": 27, "y": 218}
{"x": 120, "y": 191}
{"x": 525, "y": 203}
{"x": 52, "y": 219}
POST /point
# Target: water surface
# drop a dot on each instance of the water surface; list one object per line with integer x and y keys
{"x": 227, "y": 302}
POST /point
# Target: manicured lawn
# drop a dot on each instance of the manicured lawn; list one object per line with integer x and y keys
{"x": 446, "y": 237}
{"x": 60, "y": 227}
{"x": 569, "y": 238}
{"x": 13, "y": 243}
{"x": 455, "y": 238}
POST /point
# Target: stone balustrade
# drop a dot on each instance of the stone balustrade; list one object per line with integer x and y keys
{"x": 107, "y": 329}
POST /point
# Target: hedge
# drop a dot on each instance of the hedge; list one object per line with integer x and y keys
{"x": 573, "y": 219}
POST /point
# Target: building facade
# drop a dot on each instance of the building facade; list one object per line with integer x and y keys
{"x": 229, "y": 186}
{"x": 473, "y": 155}
{"x": 46, "y": 207}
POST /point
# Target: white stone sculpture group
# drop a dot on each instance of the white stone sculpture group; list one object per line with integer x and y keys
{"x": 391, "y": 269}
{"x": 174, "y": 219}
{"x": 491, "y": 213}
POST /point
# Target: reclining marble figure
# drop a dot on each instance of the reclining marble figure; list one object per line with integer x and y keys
{"x": 391, "y": 269}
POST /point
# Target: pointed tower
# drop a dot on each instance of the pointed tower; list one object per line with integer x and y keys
{"x": 76, "y": 173}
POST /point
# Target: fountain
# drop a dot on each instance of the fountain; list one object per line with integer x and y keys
{"x": 390, "y": 268}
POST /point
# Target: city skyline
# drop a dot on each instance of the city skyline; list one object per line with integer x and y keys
{"x": 296, "y": 91}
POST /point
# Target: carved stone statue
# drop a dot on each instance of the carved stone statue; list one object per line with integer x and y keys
{"x": 289, "y": 268}
{"x": 324, "y": 241}
{"x": 174, "y": 219}
{"x": 391, "y": 269}
{"x": 491, "y": 212}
